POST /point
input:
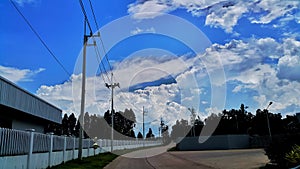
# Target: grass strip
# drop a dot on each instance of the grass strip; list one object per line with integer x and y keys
{"x": 99, "y": 161}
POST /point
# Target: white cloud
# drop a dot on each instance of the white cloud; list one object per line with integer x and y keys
{"x": 277, "y": 82}
{"x": 19, "y": 75}
{"x": 274, "y": 9}
{"x": 243, "y": 62}
{"x": 136, "y": 70}
{"x": 219, "y": 13}
{"x": 255, "y": 75}
{"x": 289, "y": 64}
{"x": 225, "y": 18}
{"x": 289, "y": 67}
{"x": 149, "y": 9}
{"x": 139, "y": 30}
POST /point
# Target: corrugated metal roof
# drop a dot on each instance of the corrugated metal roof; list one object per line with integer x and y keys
{"x": 13, "y": 96}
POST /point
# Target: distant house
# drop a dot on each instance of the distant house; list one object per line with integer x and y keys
{"x": 22, "y": 110}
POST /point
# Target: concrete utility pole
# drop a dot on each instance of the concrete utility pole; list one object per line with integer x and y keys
{"x": 85, "y": 44}
{"x": 161, "y": 125}
{"x": 112, "y": 86}
{"x": 82, "y": 97}
{"x": 193, "y": 116}
{"x": 143, "y": 123}
{"x": 144, "y": 137}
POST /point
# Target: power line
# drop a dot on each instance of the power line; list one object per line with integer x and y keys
{"x": 39, "y": 37}
{"x": 91, "y": 5}
{"x": 101, "y": 63}
{"x": 102, "y": 43}
{"x": 89, "y": 25}
{"x": 85, "y": 16}
{"x": 101, "y": 71}
{"x": 105, "y": 54}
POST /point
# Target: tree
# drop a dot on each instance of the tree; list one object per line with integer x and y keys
{"x": 77, "y": 128}
{"x": 72, "y": 124}
{"x": 94, "y": 126}
{"x": 86, "y": 125}
{"x": 180, "y": 129}
{"x": 65, "y": 125}
{"x": 124, "y": 122}
{"x": 198, "y": 126}
{"x": 132, "y": 134}
{"x": 232, "y": 121}
{"x": 140, "y": 136}
{"x": 150, "y": 134}
{"x": 165, "y": 134}
{"x": 56, "y": 129}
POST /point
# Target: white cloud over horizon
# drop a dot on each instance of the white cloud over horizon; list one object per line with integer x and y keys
{"x": 19, "y": 75}
{"x": 219, "y": 13}
{"x": 243, "y": 62}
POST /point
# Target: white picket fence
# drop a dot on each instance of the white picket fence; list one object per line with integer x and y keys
{"x": 28, "y": 146}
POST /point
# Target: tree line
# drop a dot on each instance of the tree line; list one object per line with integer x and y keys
{"x": 100, "y": 126}
{"x": 239, "y": 121}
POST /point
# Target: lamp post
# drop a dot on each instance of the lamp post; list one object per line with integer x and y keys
{"x": 268, "y": 122}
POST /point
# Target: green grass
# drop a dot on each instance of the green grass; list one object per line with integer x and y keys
{"x": 98, "y": 161}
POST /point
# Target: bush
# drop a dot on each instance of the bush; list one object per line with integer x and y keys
{"x": 280, "y": 147}
{"x": 293, "y": 157}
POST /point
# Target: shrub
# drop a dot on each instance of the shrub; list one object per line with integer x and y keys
{"x": 293, "y": 157}
{"x": 280, "y": 147}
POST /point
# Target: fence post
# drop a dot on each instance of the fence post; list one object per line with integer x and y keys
{"x": 51, "y": 150}
{"x": 30, "y": 148}
{"x": 88, "y": 148}
{"x": 65, "y": 147}
{"x": 74, "y": 144}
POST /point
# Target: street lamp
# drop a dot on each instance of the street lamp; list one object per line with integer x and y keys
{"x": 268, "y": 122}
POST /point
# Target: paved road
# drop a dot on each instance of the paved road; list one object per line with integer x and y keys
{"x": 224, "y": 159}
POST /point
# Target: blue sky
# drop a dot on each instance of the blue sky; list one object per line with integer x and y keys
{"x": 249, "y": 52}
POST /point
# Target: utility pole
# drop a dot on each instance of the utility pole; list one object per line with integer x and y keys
{"x": 85, "y": 44}
{"x": 112, "y": 86}
{"x": 143, "y": 122}
{"x": 143, "y": 127}
{"x": 161, "y": 126}
{"x": 193, "y": 115}
{"x": 159, "y": 132}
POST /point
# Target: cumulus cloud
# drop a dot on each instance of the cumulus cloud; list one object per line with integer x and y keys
{"x": 242, "y": 60}
{"x": 148, "y": 9}
{"x": 225, "y": 18}
{"x": 274, "y": 9}
{"x": 289, "y": 67}
{"x": 161, "y": 100}
{"x": 244, "y": 63}
{"x": 19, "y": 75}
{"x": 289, "y": 64}
{"x": 219, "y": 13}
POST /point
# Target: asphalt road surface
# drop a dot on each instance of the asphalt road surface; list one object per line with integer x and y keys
{"x": 223, "y": 159}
